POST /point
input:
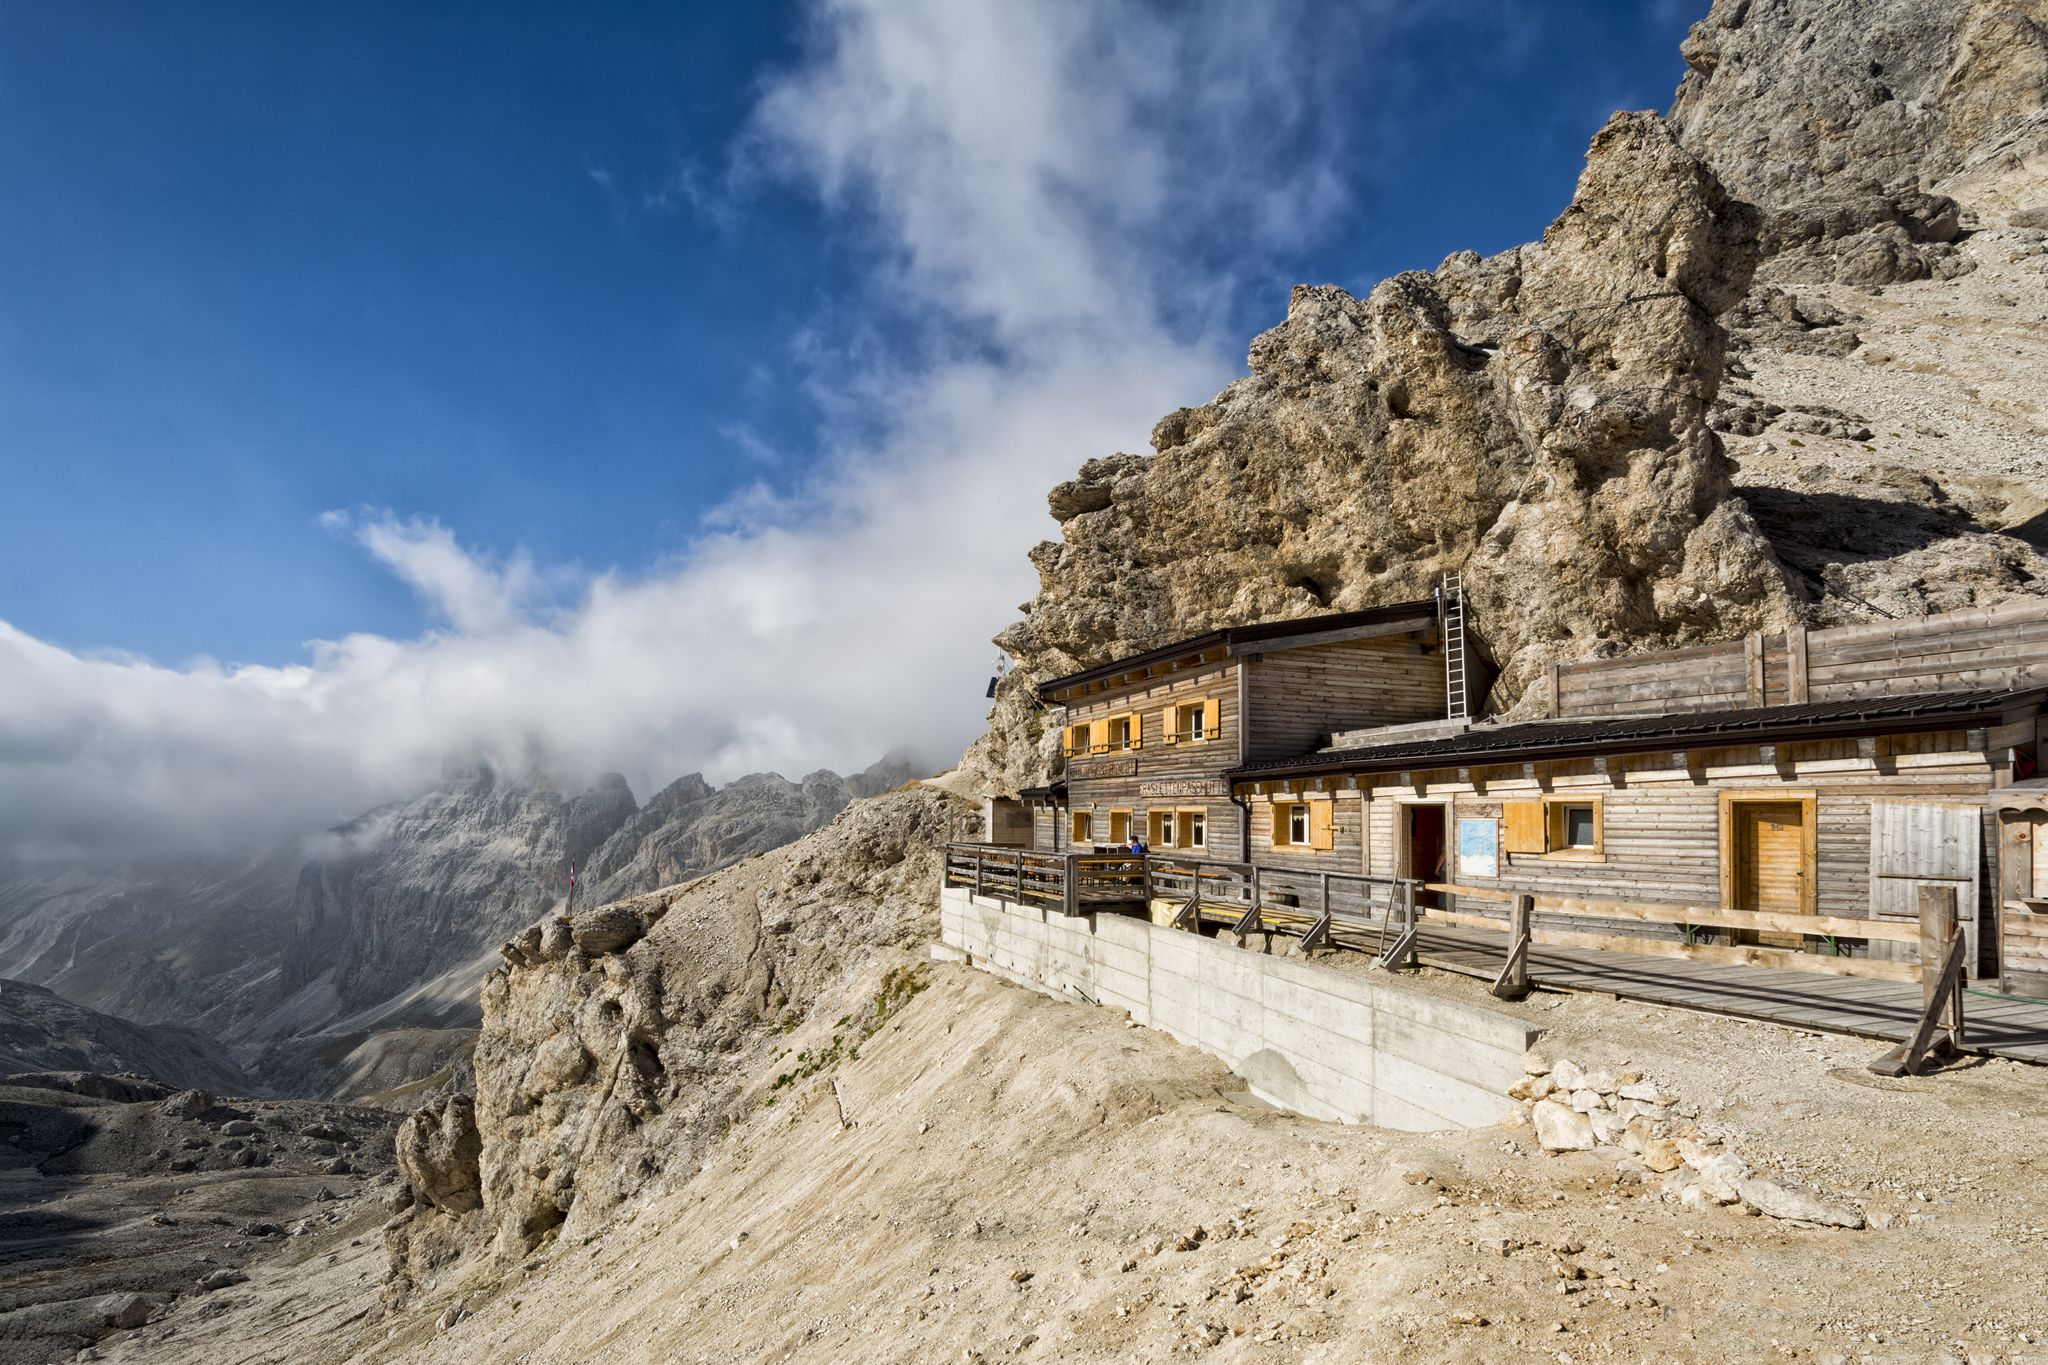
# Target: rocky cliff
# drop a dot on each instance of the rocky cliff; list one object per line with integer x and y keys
{"x": 1559, "y": 423}
{"x": 619, "y": 1043}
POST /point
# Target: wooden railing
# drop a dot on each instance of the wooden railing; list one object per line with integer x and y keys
{"x": 1065, "y": 881}
{"x": 1690, "y": 919}
{"x": 1382, "y": 915}
{"x": 1375, "y": 913}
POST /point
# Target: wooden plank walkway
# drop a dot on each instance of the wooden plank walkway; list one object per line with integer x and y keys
{"x": 2003, "y": 1026}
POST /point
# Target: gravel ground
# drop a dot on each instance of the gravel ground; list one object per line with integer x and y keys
{"x": 1034, "y": 1180}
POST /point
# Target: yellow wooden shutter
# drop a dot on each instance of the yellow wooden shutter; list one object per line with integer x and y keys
{"x": 1166, "y": 727}
{"x": 1212, "y": 718}
{"x": 1136, "y": 720}
{"x": 1322, "y": 825}
{"x": 1152, "y": 829}
{"x": 1098, "y": 736}
{"x": 1522, "y": 826}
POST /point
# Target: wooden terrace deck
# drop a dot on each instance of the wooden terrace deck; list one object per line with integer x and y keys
{"x": 2002, "y": 1026}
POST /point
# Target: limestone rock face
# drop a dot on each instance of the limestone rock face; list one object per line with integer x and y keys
{"x": 1537, "y": 420}
{"x": 437, "y": 1151}
{"x": 613, "y": 1050}
{"x": 1808, "y": 106}
{"x": 1856, "y": 189}
{"x": 1882, "y": 398}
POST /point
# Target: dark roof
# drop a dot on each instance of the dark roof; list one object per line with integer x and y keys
{"x": 1237, "y": 636}
{"x": 1623, "y": 734}
{"x": 1052, "y": 792}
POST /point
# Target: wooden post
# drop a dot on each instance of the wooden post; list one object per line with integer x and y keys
{"x": 977, "y": 871}
{"x": 1937, "y": 927}
{"x": 1072, "y": 897}
{"x": 1795, "y": 666}
{"x": 1513, "y": 981}
{"x": 1145, "y": 871}
{"x": 1941, "y": 985}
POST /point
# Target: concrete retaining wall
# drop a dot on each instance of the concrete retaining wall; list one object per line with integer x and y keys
{"x": 1329, "y": 1044}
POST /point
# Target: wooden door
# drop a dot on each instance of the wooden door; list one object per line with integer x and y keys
{"x": 1771, "y": 872}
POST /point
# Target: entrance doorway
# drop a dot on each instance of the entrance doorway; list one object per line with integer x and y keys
{"x": 1767, "y": 857}
{"x": 1426, "y": 845}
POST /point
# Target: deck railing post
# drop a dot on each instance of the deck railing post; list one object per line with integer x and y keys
{"x": 1513, "y": 981}
{"x": 1941, "y": 987}
{"x": 1937, "y": 926}
{"x": 1073, "y": 890}
{"x": 978, "y": 867}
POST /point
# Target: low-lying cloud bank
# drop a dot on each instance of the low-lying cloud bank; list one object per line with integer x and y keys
{"x": 1066, "y": 203}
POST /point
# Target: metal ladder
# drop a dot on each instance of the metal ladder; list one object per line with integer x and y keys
{"x": 1451, "y": 604}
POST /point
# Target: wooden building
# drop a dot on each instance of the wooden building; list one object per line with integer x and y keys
{"x": 1835, "y": 809}
{"x": 1811, "y": 779}
{"x": 1147, "y": 740}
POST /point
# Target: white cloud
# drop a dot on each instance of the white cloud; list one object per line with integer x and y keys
{"x": 1064, "y": 200}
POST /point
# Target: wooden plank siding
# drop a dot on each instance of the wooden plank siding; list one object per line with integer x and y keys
{"x": 1116, "y": 781}
{"x": 1300, "y": 697}
{"x": 1992, "y": 647}
{"x": 1269, "y": 705}
{"x": 1347, "y": 826}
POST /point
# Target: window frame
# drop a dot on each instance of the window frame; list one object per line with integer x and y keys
{"x": 1193, "y": 820}
{"x": 1554, "y": 806}
{"x": 1182, "y": 717}
{"x": 1080, "y": 827}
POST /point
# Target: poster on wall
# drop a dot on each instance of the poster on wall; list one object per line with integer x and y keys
{"x": 1478, "y": 848}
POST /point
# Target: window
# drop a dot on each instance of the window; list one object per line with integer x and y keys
{"x": 1119, "y": 827}
{"x": 1110, "y": 734}
{"x": 1074, "y": 743}
{"x": 1554, "y": 826}
{"x": 1083, "y": 824}
{"x": 1188, "y": 828}
{"x": 1310, "y": 825}
{"x": 1192, "y": 722}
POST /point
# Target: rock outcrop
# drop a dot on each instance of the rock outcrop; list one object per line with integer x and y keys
{"x": 1882, "y": 401}
{"x": 1537, "y": 420}
{"x": 1570, "y": 425}
{"x": 617, "y": 1042}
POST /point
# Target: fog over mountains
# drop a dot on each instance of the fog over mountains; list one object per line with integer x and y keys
{"x": 298, "y": 955}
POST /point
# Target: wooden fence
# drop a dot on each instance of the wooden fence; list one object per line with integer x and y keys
{"x": 2003, "y": 646}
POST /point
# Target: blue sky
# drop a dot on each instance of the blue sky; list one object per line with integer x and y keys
{"x": 595, "y": 386}
{"x": 269, "y": 261}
